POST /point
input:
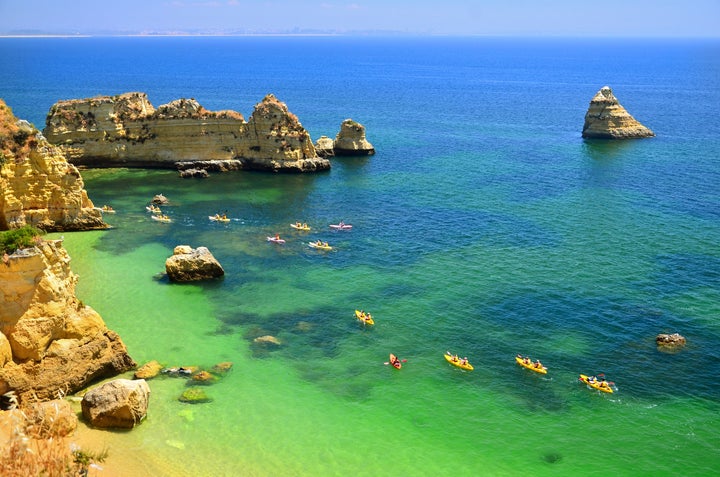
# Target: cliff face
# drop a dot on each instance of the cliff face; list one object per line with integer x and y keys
{"x": 37, "y": 185}
{"x": 49, "y": 341}
{"x": 126, "y": 130}
{"x": 607, "y": 119}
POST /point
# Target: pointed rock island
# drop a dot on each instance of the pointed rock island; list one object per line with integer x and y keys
{"x": 607, "y": 119}
{"x": 127, "y": 131}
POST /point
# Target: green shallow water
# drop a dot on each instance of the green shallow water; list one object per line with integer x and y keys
{"x": 323, "y": 403}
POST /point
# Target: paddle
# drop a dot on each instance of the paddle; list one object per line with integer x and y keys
{"x": 402, "y": 361}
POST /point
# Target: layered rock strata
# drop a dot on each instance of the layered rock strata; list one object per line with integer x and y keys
{"x": 351, "y": 141}
{"x": 37, "y": 185}
{"x": 50, "y": 342}
{"x": 607, "y": 119}
{"x": 127, "y": 131}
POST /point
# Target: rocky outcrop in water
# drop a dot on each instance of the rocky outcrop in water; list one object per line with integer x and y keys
{"x": 325, "y": 146}
{"x": 126, "y": 130}
{"x": 351, "y": 141}
{"x": 121, "y": 403}
{"x": 607, "y": 119}
{"x": 37, "y": 185}
{"x": 50, "y": 342}
{"x": 188, "y": 264}
{"x": 672, "y": 341}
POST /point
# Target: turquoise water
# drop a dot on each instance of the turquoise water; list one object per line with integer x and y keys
{"x": 485, "y": 225}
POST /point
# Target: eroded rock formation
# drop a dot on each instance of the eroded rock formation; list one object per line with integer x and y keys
{"x": 57, "y": 344}
{"x": 351, "y": 141}
{"x": 126, "y": 130}
{"x": 37, "y": 185}
{"x": 607, "y": 119}
{"x": 325, "y": 146}
{"x": 189, "y": 264}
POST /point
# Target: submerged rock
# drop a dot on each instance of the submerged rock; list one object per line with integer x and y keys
{"x": 148, "y": 370}
{"x": 160, "y": 199}
{"x": 194, "y": 173}
{"x": 670, "y": 341}
{"x": 607, "y": 119}
{"x": 222, "y": 368}
{"x": 267, "y": 339}
{"x": 194, "y": 395}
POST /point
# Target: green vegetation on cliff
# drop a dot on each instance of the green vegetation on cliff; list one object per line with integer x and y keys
{"x": 23, "y": 237}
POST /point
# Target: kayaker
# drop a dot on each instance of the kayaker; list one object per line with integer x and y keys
{"x": 277, "y": 236}
{"x": 538, "y": 364}
{"x": 464, "y": 361}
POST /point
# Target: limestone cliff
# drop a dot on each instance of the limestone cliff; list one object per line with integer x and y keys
{"x": 50, "y": 341}
{"x": 351, "y": 141}
{"x": 37, "y": 185}
{"x": 126, "y": 130}
{"x": 607, "y": 119}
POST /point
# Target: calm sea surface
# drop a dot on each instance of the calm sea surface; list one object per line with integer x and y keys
{"x": 484, "y": 225}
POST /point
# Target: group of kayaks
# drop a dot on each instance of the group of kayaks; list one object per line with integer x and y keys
{"x": 600, "y": 384}
{"x": 316, "y": 244}
{"x": 596, "y": 382}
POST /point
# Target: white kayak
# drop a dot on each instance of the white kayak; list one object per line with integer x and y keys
{"x": 341, "y": 226}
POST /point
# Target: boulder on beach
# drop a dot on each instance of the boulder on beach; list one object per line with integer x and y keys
{"x": 121, "y": 403}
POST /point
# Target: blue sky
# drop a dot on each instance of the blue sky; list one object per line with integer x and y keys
{"x": 459, "y": 17}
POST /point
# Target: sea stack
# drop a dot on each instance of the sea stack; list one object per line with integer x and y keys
{"x": 351, "y": 141}
{"x": 607, "y": 119}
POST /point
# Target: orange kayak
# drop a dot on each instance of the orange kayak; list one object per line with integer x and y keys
{"x": 395, "y": 361}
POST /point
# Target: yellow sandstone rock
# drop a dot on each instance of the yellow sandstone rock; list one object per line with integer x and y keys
{"x": 607, "y": 119}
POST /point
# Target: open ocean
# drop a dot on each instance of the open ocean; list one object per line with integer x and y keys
{"x": 484, "y": 225}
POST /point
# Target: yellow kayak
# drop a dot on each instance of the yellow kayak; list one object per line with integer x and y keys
{"x": 456, "y": 361}
{"x": 595, "y": 384}
{"x": 218, "y": 218}
{"x": 364, "y": 317}
{"x": 320, "y": 245}
{"x": 300, "y": 226}
{"x": 530, "y": 365}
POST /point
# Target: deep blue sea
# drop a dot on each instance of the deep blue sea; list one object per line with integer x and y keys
{"x": 484, "y": 225}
